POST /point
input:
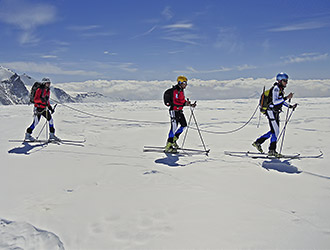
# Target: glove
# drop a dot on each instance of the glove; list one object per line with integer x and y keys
{"x": 51, "y": 109}
{"x": 193, "y": 104}
{"x": 293, "y": 106}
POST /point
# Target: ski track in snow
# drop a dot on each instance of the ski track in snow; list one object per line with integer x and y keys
{"x": 110, "y": 195}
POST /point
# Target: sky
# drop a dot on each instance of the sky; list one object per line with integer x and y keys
{"x": 159, "y": 40}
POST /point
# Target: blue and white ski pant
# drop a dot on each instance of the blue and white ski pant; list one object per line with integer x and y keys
{"x": 38, "y": 112}
{"x": 177, "y": 117}
{"x": 274, "y": 124}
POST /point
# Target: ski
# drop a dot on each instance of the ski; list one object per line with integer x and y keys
{"x": 49, "y": 141}
{"x": 257, "y": 155}
{"x": 162, "y": 149}
{"x": 175, "y": 153}
{"x": 73, "y": 141}
{"x": 311, "y": 156}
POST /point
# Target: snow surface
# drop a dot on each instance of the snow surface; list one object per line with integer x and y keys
{"x": 109, "y": 194}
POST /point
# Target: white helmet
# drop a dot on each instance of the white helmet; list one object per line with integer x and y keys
{"x": 45, "y": 80}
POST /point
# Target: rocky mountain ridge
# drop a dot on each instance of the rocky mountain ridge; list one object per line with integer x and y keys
{"x": 14, "y": 89}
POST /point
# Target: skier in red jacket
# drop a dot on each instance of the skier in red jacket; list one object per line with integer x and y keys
{"x": 176, "y": 114}
{"x": 43, "y": 108}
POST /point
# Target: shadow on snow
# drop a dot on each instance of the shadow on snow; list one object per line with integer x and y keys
{"x": 170, "y": 160}
{"x": 281, "y": 166}
{"x": 26, "y": 148}
{"x": 286, "y": 167}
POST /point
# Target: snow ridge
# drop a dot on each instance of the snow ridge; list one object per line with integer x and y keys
{"x": 22, "y": 235}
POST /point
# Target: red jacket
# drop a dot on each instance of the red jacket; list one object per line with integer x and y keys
{"x": 179, "y": 99}
{"x": 41, "y": 98}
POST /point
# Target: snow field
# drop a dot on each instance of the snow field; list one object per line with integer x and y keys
{"x": 110, "y": 195}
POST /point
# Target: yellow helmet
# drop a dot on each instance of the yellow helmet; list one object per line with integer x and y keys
{"x": 182, "y": 79}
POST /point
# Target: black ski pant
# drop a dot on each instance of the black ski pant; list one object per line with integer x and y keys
{"x": 177, "y": 117}
{"x": 38, "y": 112}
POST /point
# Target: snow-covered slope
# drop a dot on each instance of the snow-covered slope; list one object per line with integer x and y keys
{"x": 27, "y": 80}
{"x": 5, "y": 73}
{"x": 109, "y": 194}
{"x": 22, "y": 235}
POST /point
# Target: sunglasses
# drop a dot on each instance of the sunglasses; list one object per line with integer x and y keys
{"x": 285, "y": 80}
{"x": 185, "y": 82}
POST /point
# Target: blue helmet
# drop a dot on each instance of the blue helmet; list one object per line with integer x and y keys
{"x": 282, "y": 76}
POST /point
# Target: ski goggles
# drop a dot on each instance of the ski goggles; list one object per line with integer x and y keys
{"x": 184, "y": 82}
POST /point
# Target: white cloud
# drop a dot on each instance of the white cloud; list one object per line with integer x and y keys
{"x": 84, "y": 27}
{"x": 27, "y": 17}
{"x": 305, "y": 57}
{"x": 181, "y": 37}
{"x": 245, "y": 67}
{"x": 181, "y": 32}
{"x": 90, "y": 30}
{"x": 228, "y": 39}
{"x": 198, "y": 89}
{"x": 129, "y": 67}
{"x": 266, "y": 45}
{"x": 176, "y": 52}
{"x": 192, "y": 70}
{"x": 300, "y": 26}
{"x": 95, "y": 34}
{"x": 46, "y": 68}
{"x": 167, "y": 13}
{"x": 48, "y": 56}
{"x": 146, "y": 33}
{"x": 179, "y": 26}
{"x": 122, "y": 66}
{"x": 220, "y": 69}
{"x": 110, "y": 53}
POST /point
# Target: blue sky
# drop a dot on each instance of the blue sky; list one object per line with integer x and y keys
{"x": 74, "y": 40}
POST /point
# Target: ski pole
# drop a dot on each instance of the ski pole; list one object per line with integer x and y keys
{"x": 285, "y": 124}
{"x": 185, "y": 135}
{"x": 46, "y": 122}
{"x": 284, "y": 128}
{"x": 41, "y": 130}
{"x": 199, "y": 132}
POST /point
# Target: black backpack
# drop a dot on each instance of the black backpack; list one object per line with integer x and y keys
{"x": 168, "y": 97}
{"x": 34, "y": 88}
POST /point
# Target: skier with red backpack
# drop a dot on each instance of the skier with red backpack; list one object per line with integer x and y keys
{"x": 40, "y": 93}
{"x": 175, "y": 99}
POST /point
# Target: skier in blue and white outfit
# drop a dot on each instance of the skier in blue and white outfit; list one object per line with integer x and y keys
{"x": 273, "y": 113}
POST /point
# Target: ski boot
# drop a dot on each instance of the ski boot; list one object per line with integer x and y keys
{"x": 53, "y": 137}
{"x": 174, "y": 144}
{"x": 258, "y": 147}
{"x": 29, "y": 137}
{"x": 169, "y": 148}
{"x": 272, "y": 152}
